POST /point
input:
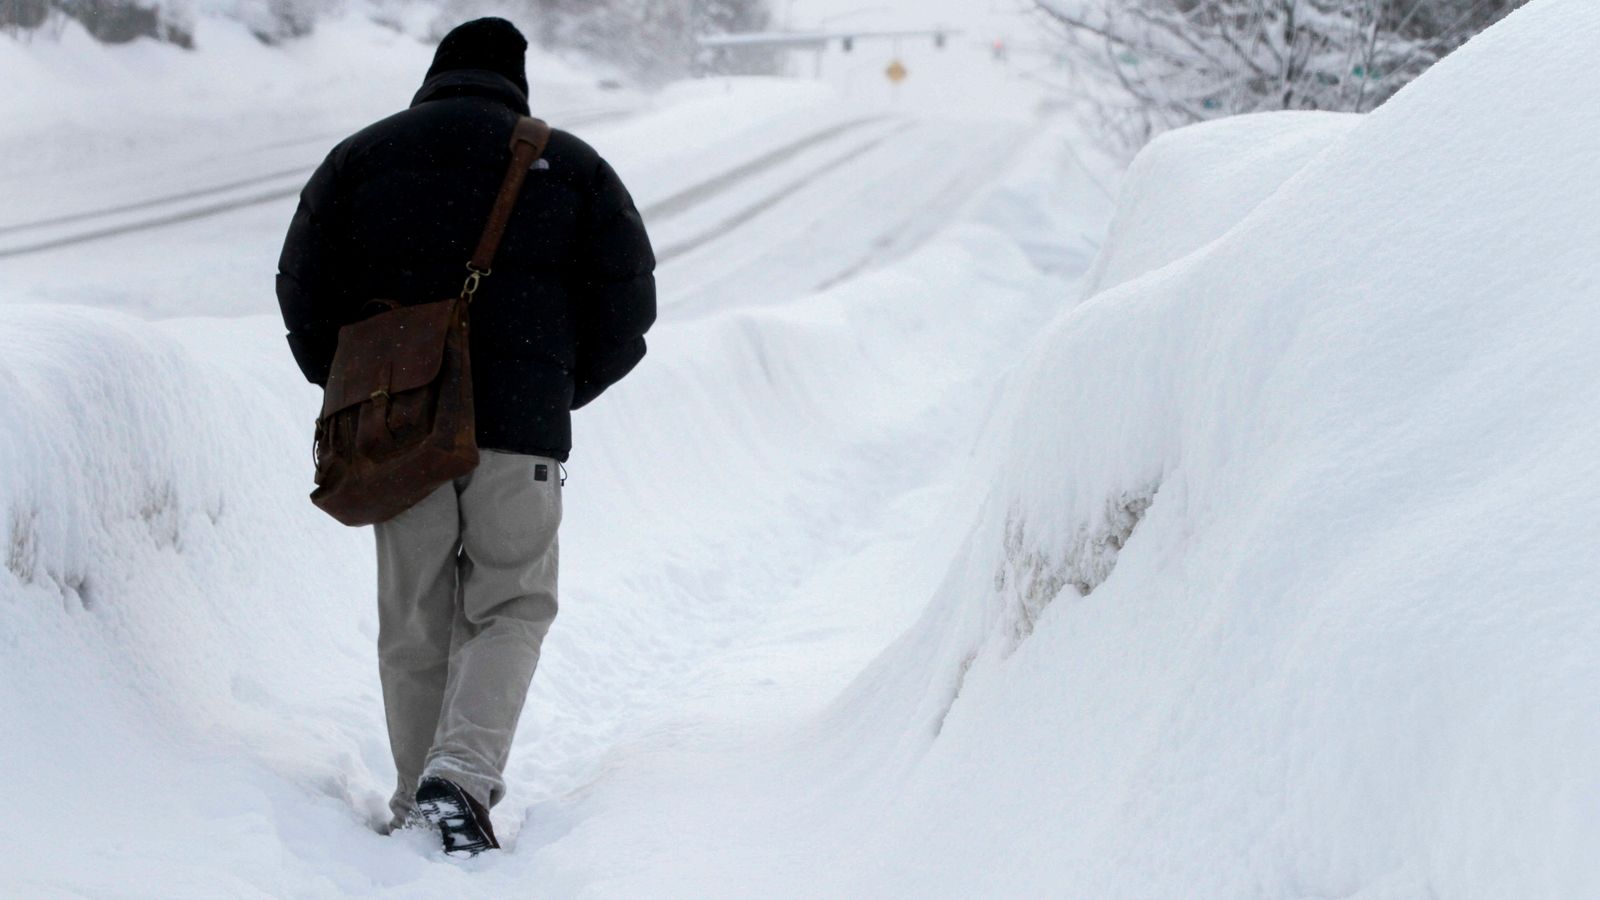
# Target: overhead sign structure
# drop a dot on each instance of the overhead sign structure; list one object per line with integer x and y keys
{"x": 819, "y": 39}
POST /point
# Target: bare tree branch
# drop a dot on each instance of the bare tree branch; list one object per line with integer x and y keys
{"x": 1146, "y": 65}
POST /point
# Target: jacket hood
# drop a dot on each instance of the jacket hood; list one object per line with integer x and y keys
{"x": 472, "y": 83}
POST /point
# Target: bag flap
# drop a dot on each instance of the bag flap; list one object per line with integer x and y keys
{"x": 394, "y": 351}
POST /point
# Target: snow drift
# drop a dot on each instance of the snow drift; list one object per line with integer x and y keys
{"x": 1190, "y": 187}
{"x": 1286, "y": 584}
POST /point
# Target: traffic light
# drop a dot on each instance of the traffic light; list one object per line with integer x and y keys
{"x": 938, "y": 39}
{"x": 849, "y": 43}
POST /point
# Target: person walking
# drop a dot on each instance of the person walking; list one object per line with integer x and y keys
{"x": 467, "y": 577}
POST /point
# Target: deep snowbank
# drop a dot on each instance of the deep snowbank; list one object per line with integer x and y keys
{"x": 1190, "y": 186}
{"x": 166, "y": 600}
{"x": 1348, "y": 647}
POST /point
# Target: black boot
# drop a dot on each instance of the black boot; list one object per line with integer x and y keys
{"x": 463, "y": 824}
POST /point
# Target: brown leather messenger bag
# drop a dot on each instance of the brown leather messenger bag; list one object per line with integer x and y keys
{"x": 397, "y": 418}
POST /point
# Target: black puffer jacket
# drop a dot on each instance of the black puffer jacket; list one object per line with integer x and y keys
{"x": 394, "y": 212}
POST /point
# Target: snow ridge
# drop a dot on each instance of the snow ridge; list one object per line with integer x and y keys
{"x": 1344, "y": 649}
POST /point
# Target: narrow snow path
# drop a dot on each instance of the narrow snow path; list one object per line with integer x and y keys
{"x": 777, "y": 567}
{"x": 726, "y": 537}
{"x": 748, "y": 519}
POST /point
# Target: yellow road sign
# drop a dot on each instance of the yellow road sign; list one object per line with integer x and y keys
{"x": 896, "y": 71}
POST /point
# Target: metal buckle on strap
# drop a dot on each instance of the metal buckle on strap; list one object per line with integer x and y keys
{"x": 474, "y": 277}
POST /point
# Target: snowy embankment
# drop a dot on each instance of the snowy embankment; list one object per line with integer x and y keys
{"x": 164, "y": 596}
{"x": 1286, "y": 582}
{"x": 1192, "y": 186}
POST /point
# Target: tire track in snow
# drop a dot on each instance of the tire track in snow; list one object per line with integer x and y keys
{"x": 926, "y": 218}
{"x": 705, "y": 190}
{"x": 188, "y": 215}
{"x": 299, "y": 171}
{"x": 843, "y": 208}
{"x": 813, "y": 175}
{"x": 576, "y": 117}
{"x": 664, "y": 208}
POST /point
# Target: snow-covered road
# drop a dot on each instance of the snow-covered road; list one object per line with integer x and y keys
{"x": 766, "y": 223}
{"x": 214, "y": 185}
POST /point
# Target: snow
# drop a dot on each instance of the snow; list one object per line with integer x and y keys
{"x": 1251, "y": 556}
{"x": 1348, "y": 650}
{"x": 112, "y": 109}
{"x": 1191, "y": 187}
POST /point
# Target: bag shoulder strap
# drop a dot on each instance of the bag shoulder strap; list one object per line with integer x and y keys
{"x": 527, "y": 145}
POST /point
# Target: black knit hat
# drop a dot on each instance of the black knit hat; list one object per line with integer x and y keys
{"x": 489, "y": 43}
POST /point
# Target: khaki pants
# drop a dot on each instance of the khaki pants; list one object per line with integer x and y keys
{"x": 466, "y": 592}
